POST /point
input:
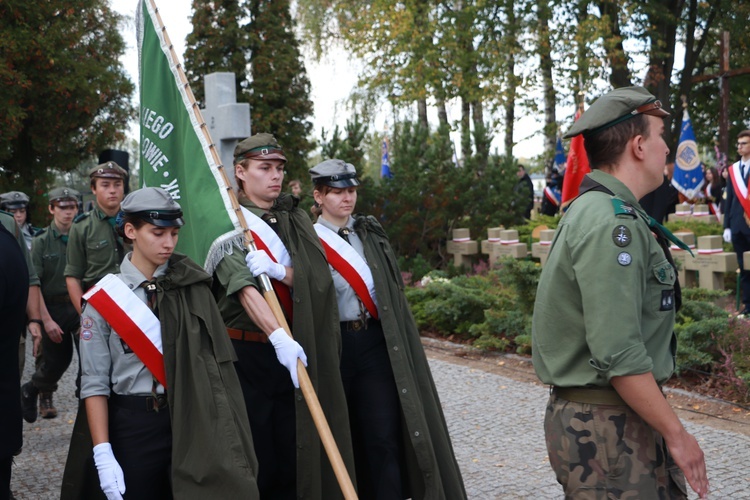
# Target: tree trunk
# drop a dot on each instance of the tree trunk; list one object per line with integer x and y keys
{"x": 465, "y": 128}
{"x": 544, "y": 47}
{"x": 422, "y": 113}
{"x": 618, "y": 59}
{"x": 661, "y": 58}
{"x": 442, "y": 113}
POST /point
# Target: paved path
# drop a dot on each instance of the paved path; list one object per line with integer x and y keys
{"x": 495, "y": 423}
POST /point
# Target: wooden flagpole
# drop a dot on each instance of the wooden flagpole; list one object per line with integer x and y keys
{"x": 308, "y": 391}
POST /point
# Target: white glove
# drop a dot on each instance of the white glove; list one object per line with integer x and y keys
{"x": 259, "y": 262}
{"x": 727, "y": 235}
{"x": 287, "y": 352}
{"x": 111, "y": 478}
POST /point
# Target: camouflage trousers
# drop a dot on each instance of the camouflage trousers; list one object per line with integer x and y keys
{"x": 608, "y": 452}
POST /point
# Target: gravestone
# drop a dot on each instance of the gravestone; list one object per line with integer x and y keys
{"x": 682, "y": 213}
{"x": 711, "y": 262}
{"x": 227, "y": 120}
{"x": 541, "y": 249}
{"x": 701, "y": 214}
{"x": 493, "y": 239}
{"x": 687, "y": 278}
{"x": 508, "y": 246}
{"x": 462, "y": 247}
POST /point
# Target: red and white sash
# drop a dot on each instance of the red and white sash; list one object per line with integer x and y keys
{"x": 740, "y": 188}
{"x": 344, "y": 259}
{"x": 267, "y": 240}
{"x": 132, "y": 319}
{"x": 713, "y": 206}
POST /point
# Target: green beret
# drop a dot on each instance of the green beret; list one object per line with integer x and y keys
{"x": 108, "y": 170}
{"x": 334, "y": 173}
{"x": 154, "y": 205}
{"x": 616, "y": 107}
{"x": 64, "y": 197}
{"x": 259, "y": 147}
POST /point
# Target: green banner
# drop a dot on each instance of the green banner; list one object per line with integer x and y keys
{"x": 174, "y": 151}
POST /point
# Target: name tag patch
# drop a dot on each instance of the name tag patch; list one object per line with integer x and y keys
{"x": 667, "y": 300}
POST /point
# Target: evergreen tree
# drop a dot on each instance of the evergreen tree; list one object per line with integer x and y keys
{"x": 280, "y": 90}
{"x": 64, "y": 94}
{"x": 217, "y": 43}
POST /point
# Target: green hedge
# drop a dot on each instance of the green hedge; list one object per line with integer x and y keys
{"x": 493, "y": 310}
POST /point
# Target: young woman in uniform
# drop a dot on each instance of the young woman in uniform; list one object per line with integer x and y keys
{"x": 172, "y": 425}
{"x": 401, "y": 444}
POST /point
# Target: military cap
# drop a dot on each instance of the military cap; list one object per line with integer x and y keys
{"x": 108, "y": 170}
{"x": 259, "y": 147}
{"x": 334, "y": 173}
{"x": 13, "y": 200}
{"x": 154, "y": 205}
{"x": 616, "y": 107}
{"x": 65, "y": 197}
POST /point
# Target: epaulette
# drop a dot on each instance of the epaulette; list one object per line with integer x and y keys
{"x": 81, "y": 217}
{"x": 622, "y": 207}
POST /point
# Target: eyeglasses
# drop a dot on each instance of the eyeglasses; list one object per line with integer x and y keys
{"x": 742, "y": 143}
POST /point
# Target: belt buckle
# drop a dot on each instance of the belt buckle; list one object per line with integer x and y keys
{"x": 156, "y": 403}
{"x": 357, "y": 325}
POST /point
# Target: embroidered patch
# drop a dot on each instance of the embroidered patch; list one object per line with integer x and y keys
{"x": 624, "y": 259}
{"x": 621, "y": 236}
{"x": 667, "y": 300}
{"x": 86, "y": 334}
{"x": 87, "y": 322}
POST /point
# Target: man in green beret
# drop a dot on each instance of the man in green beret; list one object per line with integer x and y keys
{"x": 94, "y": 250}
{"x": 61, "y": 320}
{"x": 602, "y": 333}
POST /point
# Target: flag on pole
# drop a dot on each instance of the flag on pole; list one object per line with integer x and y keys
{"x": 577, "y": 166}
{"x": 175, "y": 153}
{"x": 385, "y": 163}
{"x": 688, "y": 171}
{"x": 559, "y": 161}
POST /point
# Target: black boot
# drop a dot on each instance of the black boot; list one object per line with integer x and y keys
{"x": 29, "y": 395}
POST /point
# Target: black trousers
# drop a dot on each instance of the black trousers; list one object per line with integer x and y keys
{"x": 142, "y": 444}
{"x": 55, "y": 357}
{"x": 374, "y": 412}
{"x": 741, "y": 245}
{"x": 269, "y": 399}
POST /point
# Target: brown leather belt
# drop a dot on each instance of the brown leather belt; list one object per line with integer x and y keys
{"x": 247, "y": 336}
{"x": 590, "y": 395}
{"x": 57, "y": 299}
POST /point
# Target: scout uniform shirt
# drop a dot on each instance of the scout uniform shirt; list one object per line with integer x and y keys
{"x": 48, "y": 255}
{"x": 105, "y": 356}
{"x": 94, "y": 249}
{"x": 605, "y": 303}
{"x": 9, "y": 222}
{"x": 233, "y": 275}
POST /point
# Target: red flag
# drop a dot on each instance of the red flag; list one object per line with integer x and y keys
{"x": 577, "y": 166}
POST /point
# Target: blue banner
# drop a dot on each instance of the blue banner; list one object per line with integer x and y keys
{"x": 688, "y": 170}
{"x": 560, "y": 159}
{"x": 385, "y": 163}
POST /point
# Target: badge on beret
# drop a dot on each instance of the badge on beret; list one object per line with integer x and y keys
{"x": 621, "y": 236}
{"x": 624, "y": 259}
